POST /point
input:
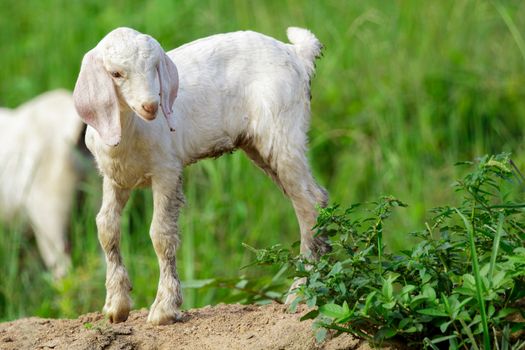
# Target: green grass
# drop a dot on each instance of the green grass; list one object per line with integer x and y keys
{"x": 405, "y": 89}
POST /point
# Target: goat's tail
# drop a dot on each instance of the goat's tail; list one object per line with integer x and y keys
{"x": 307, "y": 46}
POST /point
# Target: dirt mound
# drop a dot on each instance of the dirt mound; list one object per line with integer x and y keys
{"x": 218, "y": 327}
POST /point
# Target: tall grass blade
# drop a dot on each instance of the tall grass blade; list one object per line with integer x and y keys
{"x": 512, "y": 28}
{"x": 477, "y": 277}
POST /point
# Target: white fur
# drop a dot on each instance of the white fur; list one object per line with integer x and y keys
{"x": 37, "y": 170}
{"x": 237, "y": 90}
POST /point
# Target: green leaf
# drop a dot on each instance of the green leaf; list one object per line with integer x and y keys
{"x": 464, "y": 302}
{"x": 346, "y": 309}
{"x": 465, "y": 291}
{"x": 389, "y": 305}
{"x": 464, "y": 316}
{"x": 469, "y": 281}
{"x": 517, "y": 327}
{"x": 385, "y": 333}
{"x": 404, "y": 322}
{"x": 368, "y": 302}
{"x": 345, "y": 319}
{"x": 310, "y": 315}
{"x": 311, "y": 302}
{"x": 417, "y": 300}
{"x": 295, "y": 303}
{"x": 484, "y": 270}
{"x": 412, "y": 329}
{"x": 433, "y": 312}
{"x": 336, "y": 269}
{"x": 342, "y": 288}
{"x": 443, "y": 327}
{"x": 387, "y": 289}
{"x": 425, "y": 277}
{"x": 407, "y": 289}
{"x": 429, "y": 292}
{"x": 499, "y": 279}
{"x": 241, "y": 284}
{"x": 332, "y": 310}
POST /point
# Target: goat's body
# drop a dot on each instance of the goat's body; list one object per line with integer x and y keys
{"x": 226, "y": 100}
{"x": 37, "y": 172}
{"x": 238, "y": 90}
{"x": 228, "y": 97}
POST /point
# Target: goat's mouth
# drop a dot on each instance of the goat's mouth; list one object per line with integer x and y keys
{"x": 148, "y": 116}
{"x": 148, "y": 113}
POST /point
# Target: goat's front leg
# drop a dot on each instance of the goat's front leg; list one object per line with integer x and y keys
{"x": 118, "y": 286}
{"x": 167, "y": 200}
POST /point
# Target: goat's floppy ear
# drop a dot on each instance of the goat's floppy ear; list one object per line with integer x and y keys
{"x": 96, "y": 100}
{"x": 169, "y": 85}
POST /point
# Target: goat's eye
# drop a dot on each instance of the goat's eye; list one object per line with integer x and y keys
{"x": 116, "y": 75}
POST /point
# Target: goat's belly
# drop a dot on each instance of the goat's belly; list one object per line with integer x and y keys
{"x": 127, "y": 176}
{"x": 213, "y": 149}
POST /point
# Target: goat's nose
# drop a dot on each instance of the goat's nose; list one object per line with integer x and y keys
{"x": 150, "y": 107}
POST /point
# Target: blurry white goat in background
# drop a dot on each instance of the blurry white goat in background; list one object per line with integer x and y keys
{"x": 38, "y": 174}
{"x": 239, "y": 90}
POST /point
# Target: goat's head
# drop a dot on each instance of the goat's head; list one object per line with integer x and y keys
{"x": 126, "y": 69}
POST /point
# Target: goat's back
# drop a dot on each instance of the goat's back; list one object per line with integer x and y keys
{"x": 239, "y": 58}
{"x": 240, "y": 84}
{"x": 37, "y": 144}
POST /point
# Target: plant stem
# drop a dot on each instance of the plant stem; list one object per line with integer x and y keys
{"x": 495, "y": 248}
{"x": 470, "y": 335}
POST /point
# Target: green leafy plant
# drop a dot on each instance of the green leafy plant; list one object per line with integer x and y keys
{"x": 460, "y": 285}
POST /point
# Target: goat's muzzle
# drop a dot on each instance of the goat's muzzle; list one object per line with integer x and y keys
{"x": 150, "y": 109}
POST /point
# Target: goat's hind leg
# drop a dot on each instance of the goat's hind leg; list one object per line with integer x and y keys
{"x": 118, "y": 286}
{"x": 291, "y": 172}
{"x": 167, "y": 199}
{"x": 306, "y": 195}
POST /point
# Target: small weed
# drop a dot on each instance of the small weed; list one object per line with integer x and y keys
{"x": 460, "y": 286}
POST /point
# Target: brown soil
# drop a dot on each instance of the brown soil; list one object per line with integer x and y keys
{"x": 232, "y": 327}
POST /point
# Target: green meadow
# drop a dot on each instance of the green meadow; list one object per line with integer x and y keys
{"x": 404, "y": 90}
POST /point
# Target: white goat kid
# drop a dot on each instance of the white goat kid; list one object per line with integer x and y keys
{"x": 238, "y": 90}
{"x": 38, "y": 170}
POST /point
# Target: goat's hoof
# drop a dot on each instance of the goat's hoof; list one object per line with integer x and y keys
{"x": 160, "y": 320}
{"x": 159, "y": 315}
{"x": 291, "y": 295}
{"x": 117, "y": 313}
